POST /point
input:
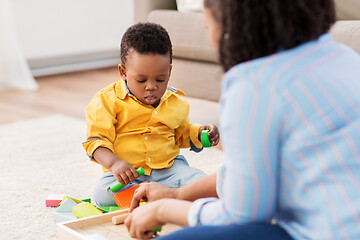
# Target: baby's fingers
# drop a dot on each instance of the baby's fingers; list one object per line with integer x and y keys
{"x": 215, "y": 139}
{"x": 124, "y": 177}
{"x": 131, "y": 174}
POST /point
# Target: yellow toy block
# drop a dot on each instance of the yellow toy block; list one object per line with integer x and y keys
{"x": 74, "y": 199}
{"x": 85, "y": 209}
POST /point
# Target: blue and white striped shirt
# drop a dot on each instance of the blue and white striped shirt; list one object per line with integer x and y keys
{"x": 290, "y": 126}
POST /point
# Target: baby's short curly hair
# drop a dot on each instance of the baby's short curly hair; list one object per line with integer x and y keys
{"x": 145, "y": 38}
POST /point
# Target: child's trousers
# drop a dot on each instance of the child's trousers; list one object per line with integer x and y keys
{"x": 179, "y": 174}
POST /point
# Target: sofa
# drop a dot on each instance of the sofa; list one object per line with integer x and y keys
{"x": 195, "y": 67}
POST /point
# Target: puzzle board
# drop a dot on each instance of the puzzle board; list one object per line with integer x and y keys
{"x": 100, "y": 226}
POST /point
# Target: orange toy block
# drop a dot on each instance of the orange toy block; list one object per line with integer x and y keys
{"x": 123, "y": 199}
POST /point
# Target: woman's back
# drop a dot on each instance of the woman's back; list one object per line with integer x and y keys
{"x": 300, "y": 141}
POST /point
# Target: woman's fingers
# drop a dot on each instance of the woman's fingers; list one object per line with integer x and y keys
{"x": 139, "y": 194}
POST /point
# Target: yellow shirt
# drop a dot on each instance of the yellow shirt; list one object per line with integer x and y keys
{"x": 140, "y": 134}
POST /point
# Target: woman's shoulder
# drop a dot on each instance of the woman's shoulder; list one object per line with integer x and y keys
{"x": 285, "y": 65}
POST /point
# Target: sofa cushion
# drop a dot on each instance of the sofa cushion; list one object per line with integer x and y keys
{"x": 347, "y": 9}
{"x": 142, "y": 8}
{"x": 203, "y": 111}
{"x": 189, "y": 5}
{"x": 348, "y": 33}
{"x": 188, "y": 34}
{"x": 197, "y": 79}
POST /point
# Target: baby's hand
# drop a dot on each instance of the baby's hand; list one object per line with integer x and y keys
{"x": 123, "y": 172}
{"x": 214, "y": 135}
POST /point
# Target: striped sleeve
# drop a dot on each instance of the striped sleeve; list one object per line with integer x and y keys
{"x": 249, "y": 131}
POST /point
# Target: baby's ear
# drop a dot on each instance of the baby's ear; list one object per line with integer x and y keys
{"x": 122, "y": 71}
{"x": 170, "y": 69}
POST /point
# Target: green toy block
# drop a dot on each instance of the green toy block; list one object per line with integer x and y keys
{"x": 85, "y": 209}
{"x": 204, "y": 137}
{"x": 117, "y": 186}
{"x": 157, "y": 229}
{"x": 114, "y": 208}
{"x": 107, "y": 209}
{"x": 154, "y": 230}
{"x": 104, "y": 209}
{"x": 86, "y": 200}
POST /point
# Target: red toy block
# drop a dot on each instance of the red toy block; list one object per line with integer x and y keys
{"x": 53, "y": 200}
{"x": 123, "y": 199}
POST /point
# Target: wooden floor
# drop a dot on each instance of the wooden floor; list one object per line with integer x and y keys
{"x": 66, "y": 94}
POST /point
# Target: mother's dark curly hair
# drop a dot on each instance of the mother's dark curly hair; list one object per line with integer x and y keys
{"x": 257, "y": 28}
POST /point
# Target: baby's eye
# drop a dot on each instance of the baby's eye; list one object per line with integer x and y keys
{"x": 141, "y": 80}
{"x": 160, "y": 80}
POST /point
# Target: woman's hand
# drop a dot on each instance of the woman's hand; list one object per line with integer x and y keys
{"x": 214, "y": 135}
{"x": 201, "y": 188}
{"x": 149, "y": 192}
{"x": 143, "y": 220}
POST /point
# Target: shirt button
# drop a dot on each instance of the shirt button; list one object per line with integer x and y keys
{"x": 149, "y": 159}
{"x": 155, "y": 112}
{"x": 146, "y": 138}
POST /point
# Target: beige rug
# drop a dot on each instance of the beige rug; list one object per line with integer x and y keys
{"x": 44, "y": 156}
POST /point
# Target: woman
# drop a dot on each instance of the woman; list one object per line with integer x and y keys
{"x": 290, "y": 125}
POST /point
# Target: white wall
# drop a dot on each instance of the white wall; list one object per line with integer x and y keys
{"x": 69, "y": 35}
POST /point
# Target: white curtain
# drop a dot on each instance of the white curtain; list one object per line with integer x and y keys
{"x": 14, "y": 70}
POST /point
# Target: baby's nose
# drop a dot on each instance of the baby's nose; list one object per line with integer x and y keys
{"x": 151, "y": 87}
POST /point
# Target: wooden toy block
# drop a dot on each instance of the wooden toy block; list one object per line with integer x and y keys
{"x": 157, "y": 229}
{"x": 64, "y": 216}
{"x": 86, "y": 200}
{"x": 123, "y": 199}
{"x": 119, "y": 219}
{"x": 64, "y": 212}
{"x": 85, "y": 209}
{"x": 53, "y": 200}
{"x": 106, "y": 209}
{"x": 66, "y": 206}
{"x": 114, "y": 208}
{"x": 74, "y": 199}
{"x": 204, "y": 137}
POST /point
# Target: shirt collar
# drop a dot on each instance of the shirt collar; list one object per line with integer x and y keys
{"x": 122, "y": 91}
